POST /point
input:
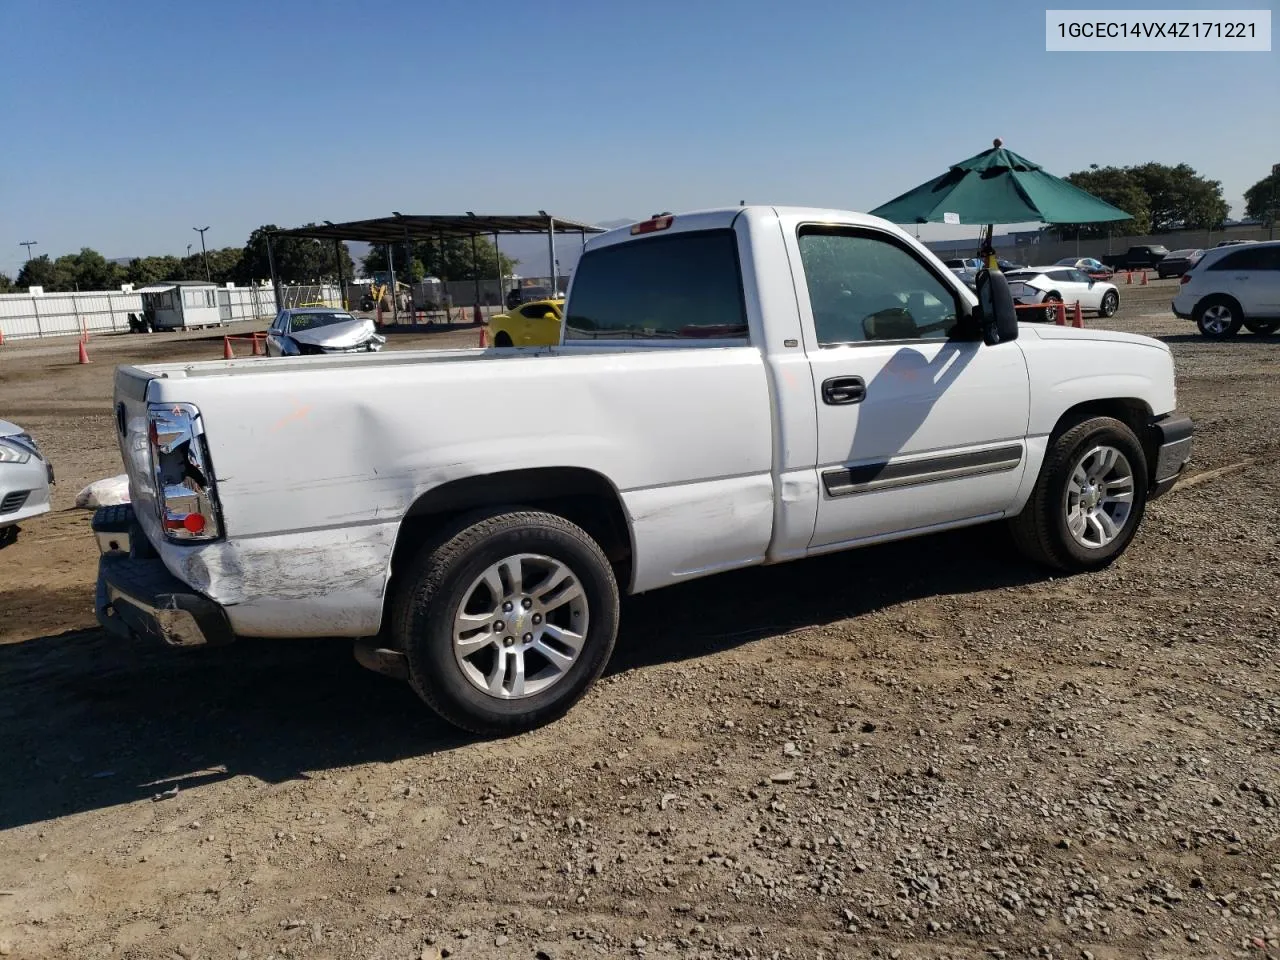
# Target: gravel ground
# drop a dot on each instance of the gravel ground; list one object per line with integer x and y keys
{"x": 923, "y": 750}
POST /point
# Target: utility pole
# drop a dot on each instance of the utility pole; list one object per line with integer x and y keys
{"x": 204, "y": 253}
{"x": 28, "y": 244}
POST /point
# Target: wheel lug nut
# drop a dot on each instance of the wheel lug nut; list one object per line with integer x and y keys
{"x": 499, "y": 625}
{"x": 528, "y": 638}
{"x": 526, "y": 603}
{"x": 508, "y": 641}
{"x": 507, "y": 606}
{"x": 537, "y": 618}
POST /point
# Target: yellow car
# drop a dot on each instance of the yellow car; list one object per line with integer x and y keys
{"x": 532, "y": 324}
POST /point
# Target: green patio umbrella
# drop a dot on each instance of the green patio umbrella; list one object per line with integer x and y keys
{"x": 997, "y": 186}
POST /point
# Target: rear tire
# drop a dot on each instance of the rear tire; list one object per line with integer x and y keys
{"x": 1044, "y": 532}
{"x": 1262, "y": 328}
{"x": 1110, "y": 304}
{"x": 1050, "y": 312}
{"x": 499, "y": 660}
{"x": 503, "y": 339}
{"x": 1218, "y": 317}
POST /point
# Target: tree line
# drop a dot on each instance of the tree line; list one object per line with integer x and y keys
{"x": 1162, "y": 199}
{"x": 297, "y": 259}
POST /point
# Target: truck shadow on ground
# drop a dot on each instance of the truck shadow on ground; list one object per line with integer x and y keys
{"x": 90, "y": 723}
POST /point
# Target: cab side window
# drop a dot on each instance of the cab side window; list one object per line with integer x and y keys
{"x": 863, "y": 286}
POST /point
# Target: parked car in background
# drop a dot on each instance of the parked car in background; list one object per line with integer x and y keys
{"x": 1057, "y": 284}
{"x": 526, "y": 294}
{"x": 533, "y": 324}
{"x": 1141, "y": 257}
{"x": 1007, "y": 265}
{"x": 1178, "y": 262}
{"x": 316, "y": 330}
{"x": 1088, "y": 266}
{"x": 964, "y": 263}
{"x": 1232, "y": 287}
{"x": 25, "y": 477}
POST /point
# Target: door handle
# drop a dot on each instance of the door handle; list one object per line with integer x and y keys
{"x": 841, "y": 390}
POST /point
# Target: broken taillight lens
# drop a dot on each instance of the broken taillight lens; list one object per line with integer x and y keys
{"x": 185, "y": 488}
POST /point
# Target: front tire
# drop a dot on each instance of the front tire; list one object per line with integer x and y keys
{"x": 503, "y": 339}
{"x": 1218, "y": 318}
{"x": 1088, "y": 500}
{"x": 1110, "y": 304}
{"x": 506, "y": 619}
{"x": 1262, "y": 328}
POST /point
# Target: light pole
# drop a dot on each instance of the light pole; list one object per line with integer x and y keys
{"x": 28, "y": 244}
{"x": 189, "y": 251}
{"x": 204, "y": 253}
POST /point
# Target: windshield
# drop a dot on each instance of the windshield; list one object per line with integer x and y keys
{"x": 310, "y": 321}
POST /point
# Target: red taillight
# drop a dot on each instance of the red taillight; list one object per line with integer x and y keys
{"x": 650, "y": 226}
{"x": 192, "y": 523}
{"x": 1185, "y": 278}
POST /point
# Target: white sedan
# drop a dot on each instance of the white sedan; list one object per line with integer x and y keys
{"x": 25, "y": 476}
{"x": 1063, "y": 285}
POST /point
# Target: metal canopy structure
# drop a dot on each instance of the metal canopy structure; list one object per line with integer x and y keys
{"x": 395, "y": 229}
{"x": 406, "y": 228}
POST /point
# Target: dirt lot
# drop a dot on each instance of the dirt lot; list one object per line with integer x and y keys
{"x": 920, "y": 750}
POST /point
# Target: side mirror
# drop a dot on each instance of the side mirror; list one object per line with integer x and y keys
{"x": 998, "y": 317}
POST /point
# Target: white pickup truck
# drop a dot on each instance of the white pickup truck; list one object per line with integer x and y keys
{"x": 733, "y": 387}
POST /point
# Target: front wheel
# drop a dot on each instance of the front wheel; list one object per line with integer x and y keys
{"x": 1262, "y": 328}
{"x": 1110, "y": 304}
{"x": 506, "y": 619}
{"x": 1088, "y": 500}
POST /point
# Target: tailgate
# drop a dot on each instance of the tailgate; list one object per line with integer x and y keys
{"x": 131, "y": 433}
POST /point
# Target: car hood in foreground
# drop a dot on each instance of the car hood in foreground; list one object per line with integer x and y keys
{"x": 1055, "y": 332}
{"x": 8, "y": 429}
{"x": 338, "y": 336}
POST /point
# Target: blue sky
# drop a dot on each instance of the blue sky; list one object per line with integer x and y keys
{"x": 126, "y": 124}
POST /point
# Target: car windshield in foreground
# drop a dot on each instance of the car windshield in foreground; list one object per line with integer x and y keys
{"x": 310, "y": 321}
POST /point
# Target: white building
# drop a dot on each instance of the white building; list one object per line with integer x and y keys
{"x": 180, "y": 304}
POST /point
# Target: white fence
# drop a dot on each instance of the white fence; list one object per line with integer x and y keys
{"x": 24, "y": 316}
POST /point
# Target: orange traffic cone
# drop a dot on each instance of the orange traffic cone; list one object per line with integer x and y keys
{"x": 1128, "y": 276}
{"x": 1077, "y": 316}
{"x": 1060, "y": 313}
{"x": 484, "y": 336}
{"x": 226, "y": 349}
{"x": 84, "y": 353}
{"x": 1144, "y": 278}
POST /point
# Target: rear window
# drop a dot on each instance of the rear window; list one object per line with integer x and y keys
{"x": 686, "y": 286}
